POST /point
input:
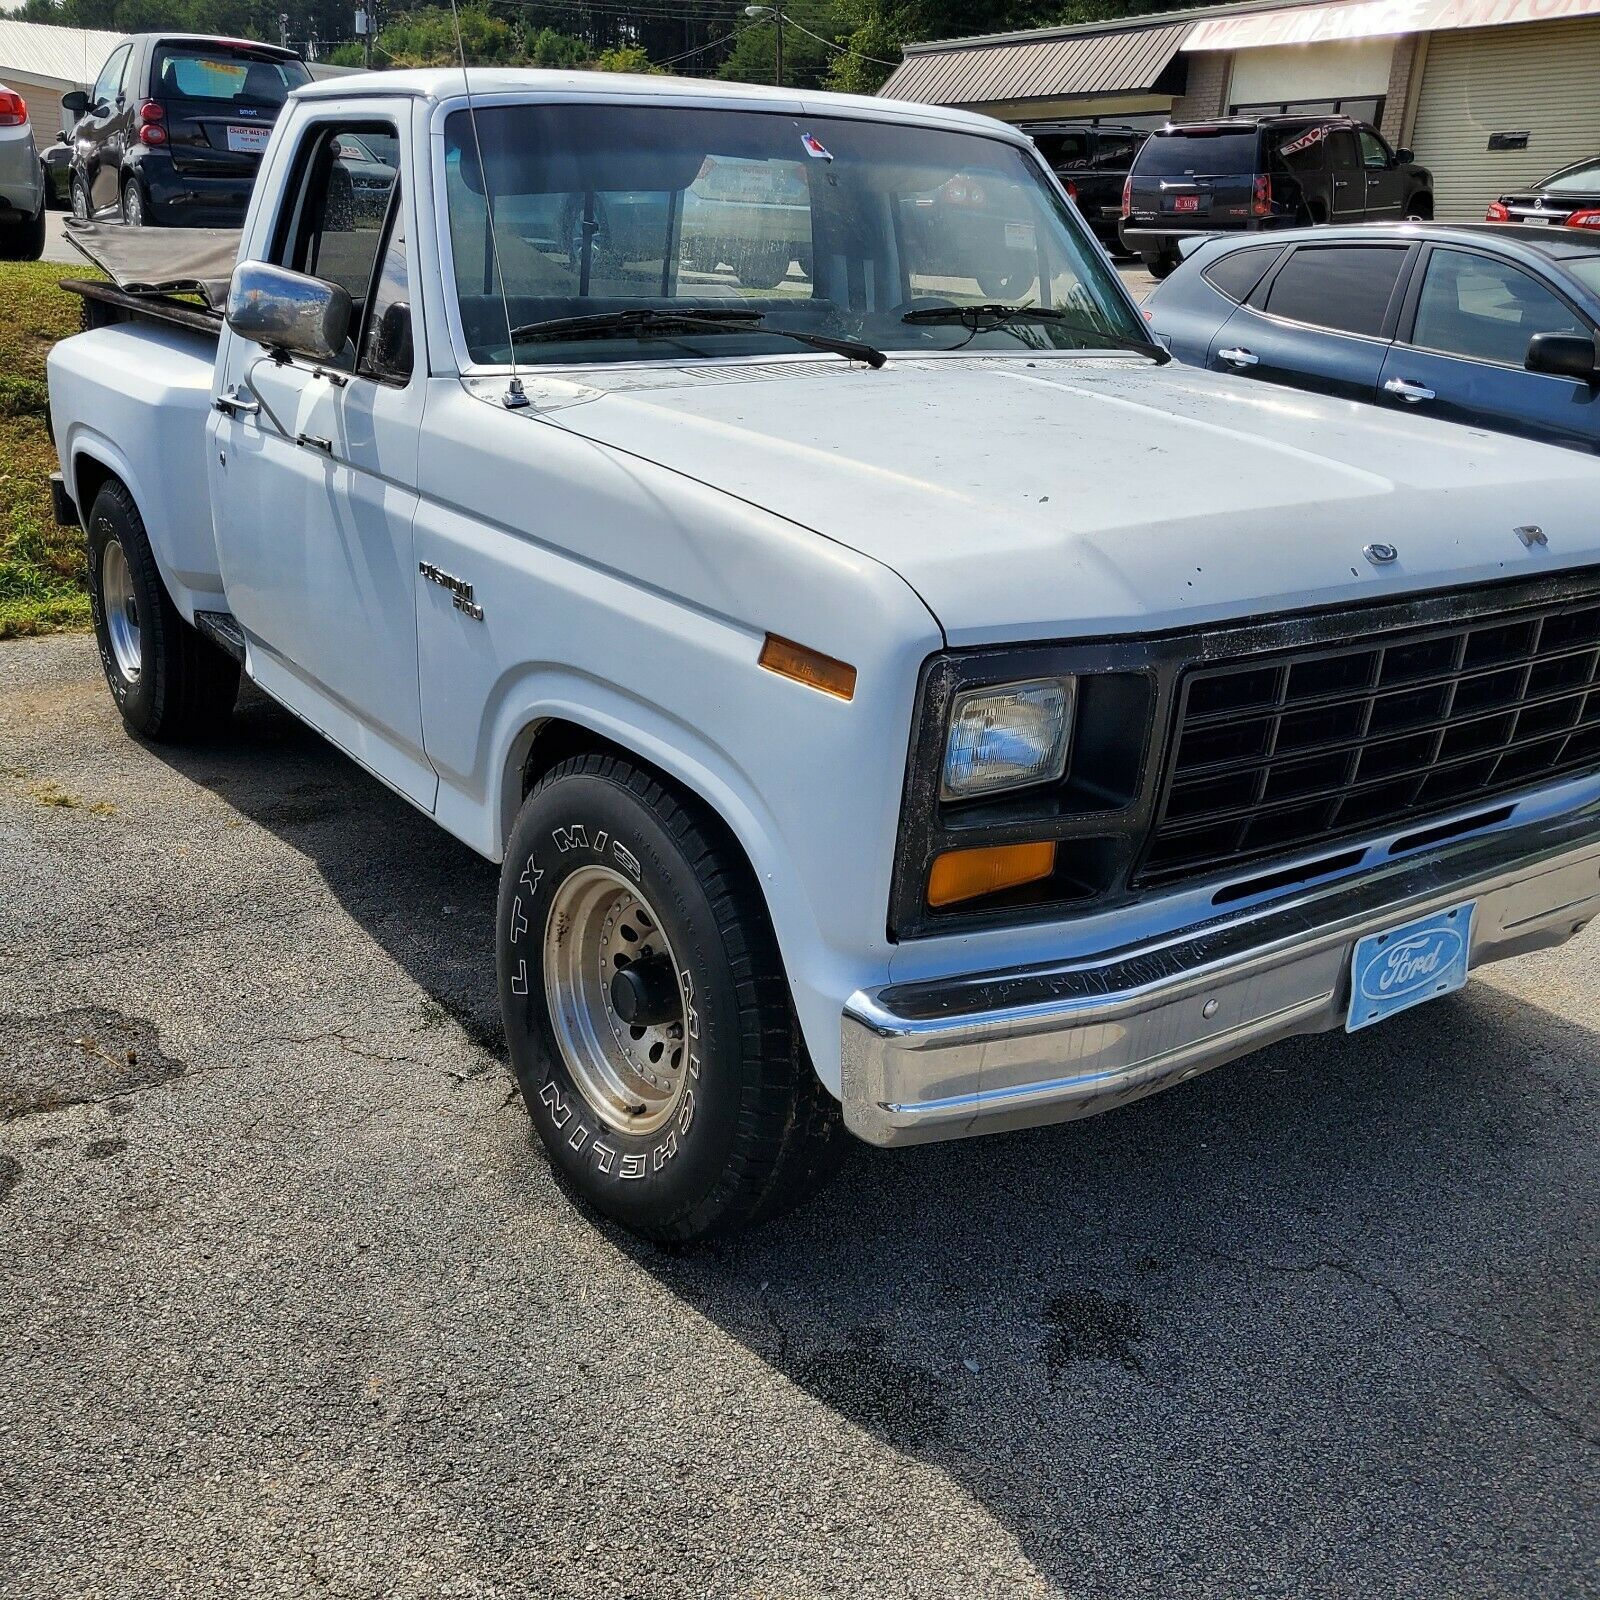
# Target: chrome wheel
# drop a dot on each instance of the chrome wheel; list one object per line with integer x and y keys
{"x": 121, "y": 610}
{"x": 80, "y": 201}
{"x": 133, "y": 206}
{"x": 616, "y": 1001}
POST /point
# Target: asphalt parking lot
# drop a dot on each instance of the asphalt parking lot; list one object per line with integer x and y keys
{"x": 292, "y": 1304}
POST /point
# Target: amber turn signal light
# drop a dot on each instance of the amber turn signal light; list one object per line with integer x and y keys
{"x": 965, "y": 874}
{"x": 807, "y": 666}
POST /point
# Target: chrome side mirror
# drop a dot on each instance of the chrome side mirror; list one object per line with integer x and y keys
{"x": 288, "y": 312}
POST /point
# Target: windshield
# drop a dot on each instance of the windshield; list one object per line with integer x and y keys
{"x": 1171, "y": 154}
{"x": 1583, "y": 178}
{"x": 215, "y": 72}
{"x": 822, "y": 225}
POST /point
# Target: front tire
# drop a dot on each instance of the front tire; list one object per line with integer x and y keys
{"x": 647, "y": 1012}
{"x": 79, "y": 204}
{"x": 169, "y": 682}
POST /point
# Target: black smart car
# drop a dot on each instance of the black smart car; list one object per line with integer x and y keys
{"x": 173, "y": 129}
{"x": 1092, "y": 160}
{"x": 1253, "y": 174}
{"x": 1568, "y": 198}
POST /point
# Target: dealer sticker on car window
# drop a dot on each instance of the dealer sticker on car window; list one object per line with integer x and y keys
{"x": 1404, "y": 966}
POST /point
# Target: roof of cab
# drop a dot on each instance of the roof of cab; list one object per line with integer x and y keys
{"x": 445, "y": 83}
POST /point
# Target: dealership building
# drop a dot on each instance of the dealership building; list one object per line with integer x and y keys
{"x": 1491, "y": 94}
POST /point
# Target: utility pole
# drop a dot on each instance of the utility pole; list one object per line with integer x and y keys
{"x": 283, "y": 29}
{"x": 776, "y": 13}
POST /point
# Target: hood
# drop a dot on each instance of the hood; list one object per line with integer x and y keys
{"x": 1053, "y": 497}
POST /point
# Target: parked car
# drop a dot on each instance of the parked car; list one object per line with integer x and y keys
{"x": 22, "y": 194}
{"x": 1260, "y": 174}
{"x": 55, "y": 162}
{"x": 173, "y": 130}
{"x": 1570, "y": 197}
{"x": 1489, "y": 325}
{"x": 854, "y": 758}
{"x": 1092, "y": 160}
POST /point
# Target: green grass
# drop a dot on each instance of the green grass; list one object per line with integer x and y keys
{"x": 41, "y": 565}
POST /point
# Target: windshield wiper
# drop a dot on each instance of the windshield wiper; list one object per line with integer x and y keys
{"x": 989, "y": 317}
{"x": 658, "y": 322}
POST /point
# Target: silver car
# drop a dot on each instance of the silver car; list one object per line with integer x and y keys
{"x": 21, "y": 183}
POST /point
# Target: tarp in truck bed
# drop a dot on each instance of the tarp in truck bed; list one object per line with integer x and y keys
{"x": 161, "y": 260}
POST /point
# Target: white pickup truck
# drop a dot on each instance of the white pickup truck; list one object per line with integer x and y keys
{"x": 902, "y": 701}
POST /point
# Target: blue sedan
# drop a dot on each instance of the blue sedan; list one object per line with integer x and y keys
{"x": 1489, "y": 325}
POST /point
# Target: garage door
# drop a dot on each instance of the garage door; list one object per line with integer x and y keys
{"x": 1541, "y": 79}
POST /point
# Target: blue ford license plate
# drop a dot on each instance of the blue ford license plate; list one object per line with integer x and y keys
{"x": 1404, "y": 966}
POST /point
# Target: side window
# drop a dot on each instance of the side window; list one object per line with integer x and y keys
{"x": 1238, "y": 272}
{"x": 344, "y": 179}
{"x": 1065, "y": 151}
{"x": 1374, "y": 152}
{"x": 110, "y": 79}
{"x": 1485, "y": 310}
{"x": 1343, "y": 152}
{"x": 1304, "y": 151}
{"x": 1114, "y": 152}
{"x": 386, "y": 344}
{"x": 1345, "y": 287}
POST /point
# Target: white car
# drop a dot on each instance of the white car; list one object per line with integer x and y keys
{"x": 894, "y": 712}
{"x": 22, "y": 193}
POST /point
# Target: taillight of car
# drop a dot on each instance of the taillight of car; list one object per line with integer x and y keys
{"x": 13, "y": 109}
{"x": 1584, "y": 219}
{"x": 152, "y": 117}
{"x": 1261, "y": 196}
{"x": 1127, "y": 196}
{"x": 1498, "y": 212}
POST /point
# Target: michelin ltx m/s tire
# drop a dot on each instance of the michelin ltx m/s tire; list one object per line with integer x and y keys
{"x": 169, "y": 683}
{"x": 647, "y": 1012}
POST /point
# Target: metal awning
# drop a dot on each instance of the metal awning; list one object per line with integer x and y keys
{"x": 1373, "y": 19}
{"x": 1045, "y": 67}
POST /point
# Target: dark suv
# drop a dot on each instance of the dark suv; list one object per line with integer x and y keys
{"x": 1092, "y": 159}
{"x": 173, "y": 129}
{"x": 1250, "y": 174}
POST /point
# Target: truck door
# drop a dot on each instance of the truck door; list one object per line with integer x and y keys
{"x": 313, "y": 469}
{"x": 1384, "y": 178}
{"x": 1349, "y": 202}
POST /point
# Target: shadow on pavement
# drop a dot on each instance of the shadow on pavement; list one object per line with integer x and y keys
{"x": 1330, "y": 1310}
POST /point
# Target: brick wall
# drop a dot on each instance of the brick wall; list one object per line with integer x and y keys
{"x": 1207, "y": 83}
{"x": 1396, "y": 97}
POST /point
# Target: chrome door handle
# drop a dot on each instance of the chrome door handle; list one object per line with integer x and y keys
{"x": 315, "y": 441}
{"x": 233, "y": 404}
{"x": 1239, "y": 357}
{"x": 1410, "y": 392}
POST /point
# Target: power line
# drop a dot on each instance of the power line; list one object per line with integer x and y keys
{"x": 842, "y": 50}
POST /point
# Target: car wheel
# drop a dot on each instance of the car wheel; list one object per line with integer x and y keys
{"x": 79, "y": 191}
{"x": 647, "y": 1012}
{"x": 133, "y": 206}
{"x": 1163, "y": 265}
{"x": 1001, "y": 285}
{"x": 23, "y": 241}
{"x": 169, "y": 683}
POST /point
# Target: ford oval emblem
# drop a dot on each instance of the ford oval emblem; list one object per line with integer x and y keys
{"x": 1380, "y": 555}
{"x": 1410, "y": 964}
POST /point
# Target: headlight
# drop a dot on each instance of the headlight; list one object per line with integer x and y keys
{"x": 1007, "y": 737}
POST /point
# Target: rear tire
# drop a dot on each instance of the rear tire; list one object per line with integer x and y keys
{"x": 23, "y": 241}
{"x": 135, "y": 213}
{"x": 169, "y": 683}
{"x": 701, "y": 1113}
{"x": 1163, "y": 265}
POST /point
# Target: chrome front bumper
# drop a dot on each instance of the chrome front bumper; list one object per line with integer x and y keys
{"x": 993, "y": 1051}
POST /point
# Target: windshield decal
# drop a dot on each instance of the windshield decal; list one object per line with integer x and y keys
{"x": 815, "y": 148}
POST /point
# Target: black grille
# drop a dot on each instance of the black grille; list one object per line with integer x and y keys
{"x": 1287, "y": 752}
